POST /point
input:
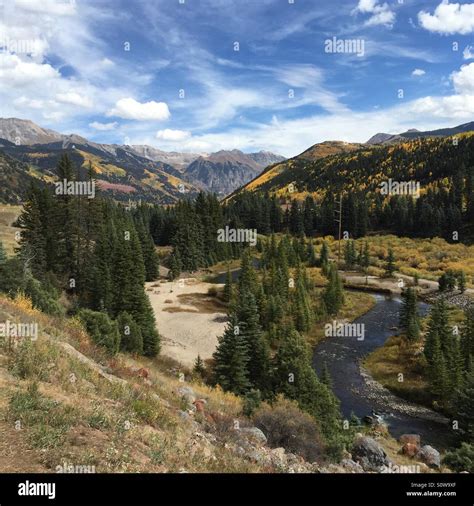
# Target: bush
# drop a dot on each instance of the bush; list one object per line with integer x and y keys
{"x": 285, "y": 425}
{"x": 131, "y": 339}
{"x": 101, "y": 328}
{"x": 43, "y": 299}
{"x": 461, "y": 459}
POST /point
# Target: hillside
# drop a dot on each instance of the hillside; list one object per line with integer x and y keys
{"x": 137, "y": 172}
{"x": 426, "y": 160}
{"x": 316, "y": 152}
{"x": 122, "y": 175}
{"x": 382, "y": 138}
{"x": 15, "y": 179}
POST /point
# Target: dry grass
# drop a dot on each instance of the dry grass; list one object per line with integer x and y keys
{"x": 8, "y": 215}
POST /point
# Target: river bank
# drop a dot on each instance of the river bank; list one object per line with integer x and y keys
{"x": 359, "y": 393}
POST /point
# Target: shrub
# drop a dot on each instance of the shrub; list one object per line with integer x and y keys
{"x": 130, "y": 334}
{"x": 461, "y": 459}
{"x": 213, "y": 291}
{"x": 285, "y": 425}
{"x": 101, "y": 328}
{"x": 43, "y": 299}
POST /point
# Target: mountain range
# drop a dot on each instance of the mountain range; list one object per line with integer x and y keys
{"x": 139, "y": 172}
{"x": 130, "y": 172}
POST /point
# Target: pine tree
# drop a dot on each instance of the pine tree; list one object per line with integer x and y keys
{"x": 465, "y": 407}
{"x": 228, "y": 286}
{"x": 438, "y": 374}
{"x": 231, "y": 360}
{"x": 297, "y": 380}
{"x": 324, "y": 257}
{"x": 333, "y": 294}
{"x": 131, "y": 339}
{"x": 311, "y": 255}
{"x": 390, "y": 265}
{"x": 175, "y": 265}
{"x": 199, "y": 369}
{"x": 467, "y": 337}
{"x": 365, "y": 260}
{"x": 409, "y": 318}
{"x": 150, "y": 257}
{"x": 247, "y": 277}
{"x": 349, "y": 254}
{"x": 461, "y": 281}
{"x": 258, "y": 350}
{"x": 3, "y": 255}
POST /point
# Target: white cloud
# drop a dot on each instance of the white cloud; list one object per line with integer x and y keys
{"x": 468, "y": 53}
{"x": 73, "y": 98}
{"x": 449, "y": 18}
{"x": 129, "y": 108}
{"x": 418, "y": 72}
{"x": 103, "y": 127}
{"x": 173, "y": 135}
{"x": 464, "y": 80}
{"x": 381, "y": 14}
{"x": 54, "y": 7}
{"x": 16, "y": 72}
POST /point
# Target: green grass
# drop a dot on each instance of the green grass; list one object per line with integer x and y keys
{"x": 356, "y": 304}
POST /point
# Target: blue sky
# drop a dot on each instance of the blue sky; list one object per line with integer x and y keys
{"x": 168, "y": 74}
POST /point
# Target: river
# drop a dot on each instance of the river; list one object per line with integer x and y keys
{"x": 360, "y": 394}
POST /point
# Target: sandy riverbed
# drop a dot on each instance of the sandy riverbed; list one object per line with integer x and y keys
{"x": 186, "y": 329}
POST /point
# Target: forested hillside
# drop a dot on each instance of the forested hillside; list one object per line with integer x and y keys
{"x": 444, "y": 206}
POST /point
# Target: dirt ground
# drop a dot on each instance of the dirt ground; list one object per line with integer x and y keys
{"x": 188, "y": 320}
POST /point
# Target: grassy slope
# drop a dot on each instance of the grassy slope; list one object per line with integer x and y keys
{"x": 87, "y": 417}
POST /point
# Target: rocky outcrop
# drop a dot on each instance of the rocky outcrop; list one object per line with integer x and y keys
{"x": 429, "y": 456}
{"x": 369, "y": 454}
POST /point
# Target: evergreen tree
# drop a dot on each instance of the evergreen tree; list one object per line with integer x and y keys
{"x": 175, "y": 265}
{"x": 465, "y": 407}
{"x": 461, "y": 281}
{"x": 199, "y": 369}
{"x": 390, "y": 265}
{"x": 3, "y": 255}
{"x": 251, "y": 332}
{"x": 228, "y": 286}
{"x": 324, "y": 256}
{"x": 333, "y": 294}
{"x": 350, "y": 255}
{"x": 131, "y": 339}
{"x": 467, "y": 337}
{"x": 231, "y": 359}
{"x": 365, "y": 260}
{"x": 409, "y": 318}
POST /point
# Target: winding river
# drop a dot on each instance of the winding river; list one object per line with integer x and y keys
{"x": 355, "y": 388}
{"x": 360, "y": 394}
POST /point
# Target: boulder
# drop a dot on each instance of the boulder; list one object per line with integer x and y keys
{"x": 254, "y": 435}
{"x": 369, "y": 454}
{"x": 413, "y": 439}
{"x": 187, "y": 393}
{"x": 410, "y": 449}
{"x": 278, "y": 457}
{"x": 429, "y": 456}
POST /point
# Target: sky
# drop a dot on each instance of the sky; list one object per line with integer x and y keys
{"x": 205, "y": 75}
